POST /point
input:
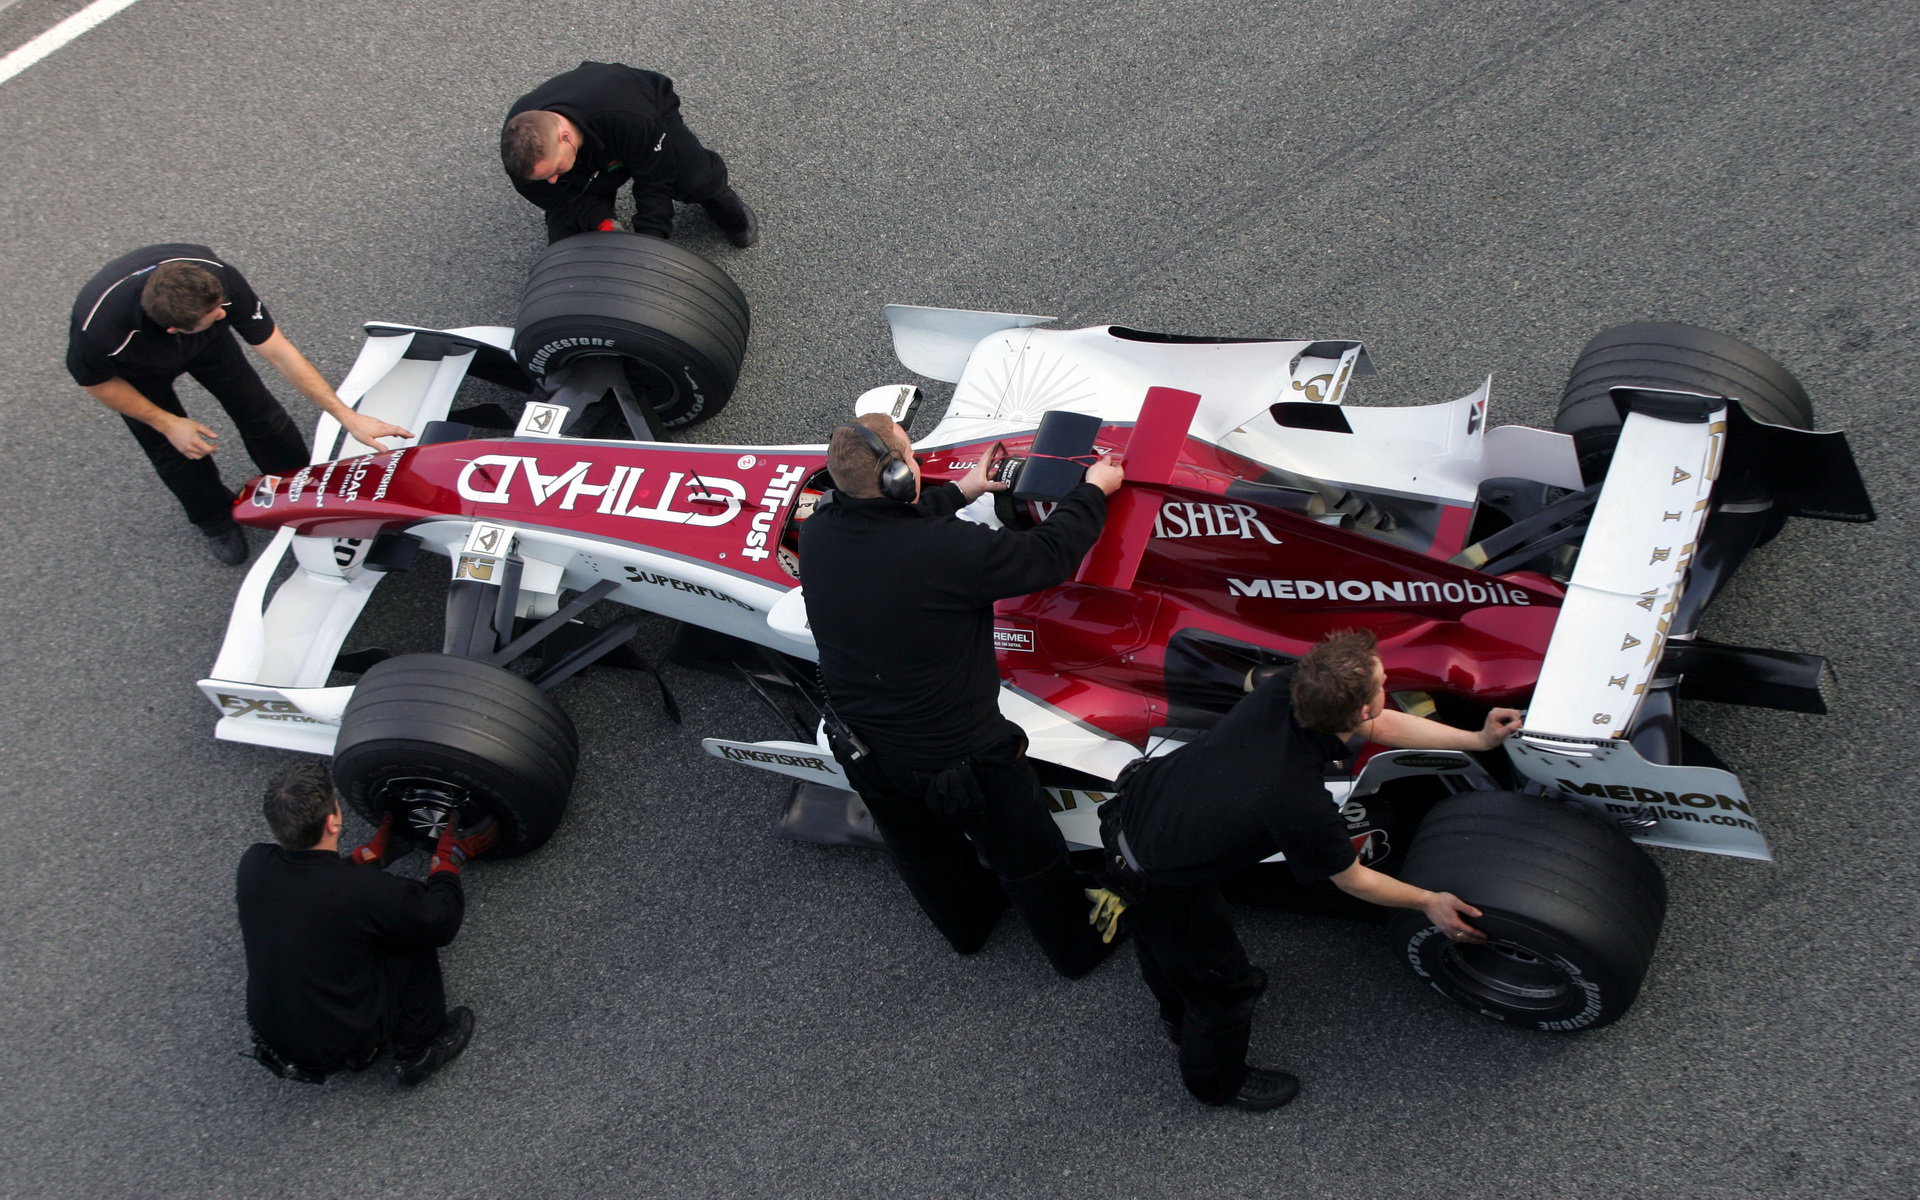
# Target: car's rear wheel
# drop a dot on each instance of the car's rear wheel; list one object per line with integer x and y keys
{"x": 1572, "y": 910}
{"x": 429, "y": 735}
{"x": 1664, "y": 354}
{"x": 678, "y": 322}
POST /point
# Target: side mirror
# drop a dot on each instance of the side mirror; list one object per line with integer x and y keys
{"x": 901, "y": 401}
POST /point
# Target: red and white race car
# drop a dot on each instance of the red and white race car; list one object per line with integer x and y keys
{"x": 1564, "y": 572}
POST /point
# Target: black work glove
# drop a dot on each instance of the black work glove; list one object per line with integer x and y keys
{"x": 954, "y": 791}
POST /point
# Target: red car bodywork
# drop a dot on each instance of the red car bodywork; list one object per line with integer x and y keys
{"x": 1197, "y": 559}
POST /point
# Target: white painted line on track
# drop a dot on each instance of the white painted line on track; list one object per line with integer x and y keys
{"x": 67, "y": 30}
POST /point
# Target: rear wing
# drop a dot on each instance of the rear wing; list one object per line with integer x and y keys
{"x": 1612, "y": 629}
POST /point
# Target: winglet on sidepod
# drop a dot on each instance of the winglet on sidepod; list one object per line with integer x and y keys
{"x": 1151, "y": 453}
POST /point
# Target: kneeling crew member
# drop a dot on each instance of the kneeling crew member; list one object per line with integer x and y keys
{"x": 900, "y": 594}
{"x": 160, "y": 312}
{"x": 342, "y": 961}
{"x": 570, "y": 144}
{"x": 1247, "y": 789}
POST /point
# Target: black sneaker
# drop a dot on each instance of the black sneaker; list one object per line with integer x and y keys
{"x": 228, "y": 544}
{"x": 454, "y": 1036}
{"x": 285, "y": 1068}
{"x": 1262, "y": 1090}
{"x": 733, "y": 217}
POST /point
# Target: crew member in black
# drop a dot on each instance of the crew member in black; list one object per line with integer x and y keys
{"x": 570, "y": 144}
{"x": 160, "y": 312}
{"x": 1249, "y": 788}
{"x": 899, "y": 593}
{"x": 342, "y": 961}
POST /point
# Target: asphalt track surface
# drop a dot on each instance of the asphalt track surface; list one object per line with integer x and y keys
{"x": 673, "y": 1004}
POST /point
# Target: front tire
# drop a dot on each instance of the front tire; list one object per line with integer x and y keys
{"x": 1572, "y": 909}
{"x": 677, "y": 322}
{"x": 429, "y": 734}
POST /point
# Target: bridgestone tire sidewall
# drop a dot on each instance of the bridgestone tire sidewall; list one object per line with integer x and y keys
{"x": 466, "y": 724}
{"x": 1601, "y": 995}
{"x": 681, "y": 319}
{"x": 1553, "y": 881}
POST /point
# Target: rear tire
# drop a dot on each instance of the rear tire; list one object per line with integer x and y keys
{"x": 1572, "y": 907}
{"x": 1663, "y": 354}
{"x": 679, "y": 322}
{"x": 425, "y": 734}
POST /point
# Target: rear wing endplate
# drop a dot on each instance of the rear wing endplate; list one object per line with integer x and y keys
{"x": 1612, "y": 629}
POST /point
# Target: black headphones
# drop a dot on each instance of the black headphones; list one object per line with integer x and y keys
{"x": 894, "y": 475}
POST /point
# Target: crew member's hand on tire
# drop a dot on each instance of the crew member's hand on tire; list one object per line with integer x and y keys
{"x": 1449, "y": 914}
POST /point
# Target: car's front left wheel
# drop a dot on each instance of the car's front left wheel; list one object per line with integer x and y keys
{"x": 426, "y": 736}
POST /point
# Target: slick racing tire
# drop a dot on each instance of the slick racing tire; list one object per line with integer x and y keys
{"x": 425, "y": 734}
{"x": 678, "y": 322}
{"x": 1571, "y": 907}
{"x": 1661, "y": 354}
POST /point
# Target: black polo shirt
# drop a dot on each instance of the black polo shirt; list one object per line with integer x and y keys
{"x": 622, "y": 114}
{"x": 111, "y": 336}
{"x": 314, "y": 926}
{"x": 1250, "y": 788}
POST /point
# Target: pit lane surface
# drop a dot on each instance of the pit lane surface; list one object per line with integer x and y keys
{"x": 673, "y": 1004}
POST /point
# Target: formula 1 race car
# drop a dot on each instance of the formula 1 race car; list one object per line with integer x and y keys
{"x": 1562, "y": 572}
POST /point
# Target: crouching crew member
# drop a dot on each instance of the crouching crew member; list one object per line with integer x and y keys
{"x": 900, "y": 592}
{"x": 342, "y": 961}
{"x": 1247, "y": 789}
{"x": 160, "y": 312}
{"x": 572, "y": 143}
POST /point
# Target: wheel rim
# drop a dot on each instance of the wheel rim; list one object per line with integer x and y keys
{"x": 658, "y": 388}
{"x": 421, "y": 805}
{"x": 1506, "y": 975}
{"x": 649, "y": 383}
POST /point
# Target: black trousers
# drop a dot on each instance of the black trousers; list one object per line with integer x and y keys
{"x": 1194, "y": 965}
{"x": 681, "y": 170}
{"x": 939, "y": 857}
{"x": 272, "y": 440}
{"x": 419, "y": 999}
{"x": 416, "y": 1012}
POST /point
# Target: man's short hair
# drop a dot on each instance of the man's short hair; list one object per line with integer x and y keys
{"x": 525, "y": 139}
{"x": 298, "y": 803}
{"x": 855, "y": 471}
{"x": 178, "y": 295}
{"x": 1334, "y": 681}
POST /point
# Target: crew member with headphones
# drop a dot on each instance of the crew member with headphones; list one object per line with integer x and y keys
{"x": 900, "y": 594}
